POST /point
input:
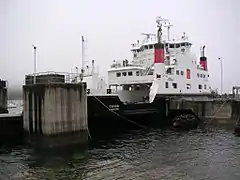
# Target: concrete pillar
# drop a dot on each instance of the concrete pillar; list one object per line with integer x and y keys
{"x": 3, "y": 97}
{"x": 56, "y": 113}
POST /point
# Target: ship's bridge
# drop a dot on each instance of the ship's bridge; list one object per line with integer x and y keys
{"x": 144, "y": 53}
{"x": 127, "y": 75}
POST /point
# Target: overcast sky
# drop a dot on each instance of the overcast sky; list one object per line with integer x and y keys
{"x": 110, "y": 26}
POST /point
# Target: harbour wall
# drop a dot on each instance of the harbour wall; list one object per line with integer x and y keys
{"x": 212, "y": 112}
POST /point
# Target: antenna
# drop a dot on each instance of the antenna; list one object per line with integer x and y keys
{"x": 168, "y": 26}
{"x": 159, "y": 22}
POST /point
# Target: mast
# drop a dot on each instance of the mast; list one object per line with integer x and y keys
{"x": 159, "y": 22}
{"x": 169, "y": 25}
{"x": 82, "y": 69}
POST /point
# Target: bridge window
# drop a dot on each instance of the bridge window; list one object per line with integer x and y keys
{"x": 137, "y": 73}
{"x": 174, "y": 85}
{"x": 124, "y": 74}
{"x": 199, "y": 86}
{"x": 130, "y": 73}
{"x": 177, "y": 45}
{"x": 203, "y": 75}
{"x": 166, "y": 84}
{"x": 188, "y": 86}
{"x": 198, "y": 75}
{"x": 205, "y": 86}
{"x": 171, "y": 46}
{"x": 151, "y": 46}
{"x": 183, "y": 44}
{"x": 182, "y": 73}
{"x": 118, "y": 74}
{"x": 145, "y": 47}
{"x": 177, "y": 72}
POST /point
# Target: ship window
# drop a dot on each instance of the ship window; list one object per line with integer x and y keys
{"x": 134, "y": 55}
{"x": 203, "y": 75}
{"x": 166, "y": 45}
{"x": 151, "y": 46}
{"x": 188, "y": 74}
{"x": 174, "y": 85}
{"x": 171, "y": 46}
{"x": 177, "y": 72}
{"x": 137, "y": 73}
{"x": 198, "y": 75}
{"x": 130, "y": 73}
{"x": 205, "y": 86}
{"x": 118, "y": 74}
{"x": 183, "y": 44}
{"x": 199, "y": 86}
{"x": 124, "y": 74}
{"x": 182, "y": 73}
{"x": 166, "y": 84}
{"x": 138, "y": 50}
{"x": 145, "y": 47}
{"x": 169, "y": 70}
{"x": 207, "y": 75}
{"x": 177, "y": 45}
{"x": 188, "y": 86}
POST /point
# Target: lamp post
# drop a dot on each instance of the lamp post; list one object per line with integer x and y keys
{"x": 35, "y": 62}
{"x": 221, "y": 73}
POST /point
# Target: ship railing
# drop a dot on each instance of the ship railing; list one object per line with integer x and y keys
{"x": 50, "y": 77}
{"x": 147, "y": 70}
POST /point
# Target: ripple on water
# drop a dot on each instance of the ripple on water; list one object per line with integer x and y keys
{"x": 198, "y": 154}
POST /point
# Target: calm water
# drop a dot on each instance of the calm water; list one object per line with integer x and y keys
{"x": 198, "y": 154}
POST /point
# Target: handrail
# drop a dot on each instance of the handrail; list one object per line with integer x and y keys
{"x": 54, "y": 77}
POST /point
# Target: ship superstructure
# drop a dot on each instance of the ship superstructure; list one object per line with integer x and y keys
{"x": 160, "y": 67}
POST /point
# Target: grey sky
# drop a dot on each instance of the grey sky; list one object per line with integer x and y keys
{"x": 109, "y": 26}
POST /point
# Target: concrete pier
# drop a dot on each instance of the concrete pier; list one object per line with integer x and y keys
{"x": 55, "y": 113}
{"x": 218, "y": 112}
{"x": 3, "y": 97}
